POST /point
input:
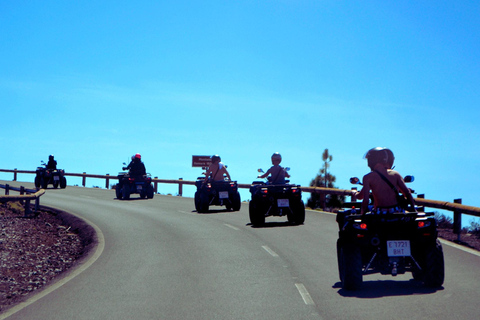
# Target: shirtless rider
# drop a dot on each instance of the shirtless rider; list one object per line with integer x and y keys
{"x": 385, "y": 199}
{"x": 276, "y": 172}
{"x": 216, "y": 170}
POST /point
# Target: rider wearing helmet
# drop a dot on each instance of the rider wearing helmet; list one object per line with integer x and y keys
{"x": 380, "y": 160}
{"x": 216, "y": 170}
{"x": 276, "y": 172}
{"x": 51, "y": 164}
{"x": 136, "y": 166}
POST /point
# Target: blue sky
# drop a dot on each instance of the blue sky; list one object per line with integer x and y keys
{"x": 95, "y": 81}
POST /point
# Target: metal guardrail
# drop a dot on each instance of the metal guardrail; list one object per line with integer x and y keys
{"x": 456, "y": 207}
{"x": 25, "y": 196}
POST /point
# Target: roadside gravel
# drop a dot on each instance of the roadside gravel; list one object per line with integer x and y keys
{"x": 37, "y": 250}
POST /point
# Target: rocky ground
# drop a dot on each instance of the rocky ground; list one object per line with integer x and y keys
{"x": 36, "y": 250}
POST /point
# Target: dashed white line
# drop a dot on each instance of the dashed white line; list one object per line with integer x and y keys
{"x": 272, "y": 253}
{"x": 304, "y": 293}
{"x": 231, "y": 227}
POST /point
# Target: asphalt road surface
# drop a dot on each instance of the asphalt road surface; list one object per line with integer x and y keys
{"x": 160, "y": 259}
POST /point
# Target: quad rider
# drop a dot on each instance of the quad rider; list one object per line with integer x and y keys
{"x": 51, "y": 164}
{"x": 136, "y": 166}
{"x": 216, "y": 170}
{"x": 384, "y": 184}
{"x": 277, "y": 173}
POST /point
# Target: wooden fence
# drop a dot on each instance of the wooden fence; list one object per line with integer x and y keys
{"x": 456, "y": 207}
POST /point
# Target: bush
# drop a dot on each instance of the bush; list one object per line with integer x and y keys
{"x": 443, "y": 222}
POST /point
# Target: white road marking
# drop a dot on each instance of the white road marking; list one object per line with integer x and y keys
{"x": 460, "y": 247}
{"x": 304, "y": 293}
{"x": 232, "y": 227}
{"x": 272, "y": 253}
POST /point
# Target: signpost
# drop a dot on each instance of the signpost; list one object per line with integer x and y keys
{"x": 201, "y": 161}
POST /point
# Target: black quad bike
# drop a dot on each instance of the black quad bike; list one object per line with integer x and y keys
{"x": 128, "y": 184}
{"x": 389, "y": 244}
{"x": 216, "y": 193}
{"x": 276, "y": 200}
{"x": 45, "y": 176}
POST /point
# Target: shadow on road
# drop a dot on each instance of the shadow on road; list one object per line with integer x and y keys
{"x": 386, "y": 288}
{"x": 273, "y": 224}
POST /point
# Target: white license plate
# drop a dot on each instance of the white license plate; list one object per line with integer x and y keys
{"x": 223, "y": 194}
{"x": 139, "y": 187}
{"x": 398, "y": 248}
{"x": 283, "y": 203}
{"x": 56, "y": 178}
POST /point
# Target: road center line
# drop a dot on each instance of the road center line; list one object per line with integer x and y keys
{"x": 304, "y": 293}
{"x": 272, "y": 253}
{"x": 232, "y": 227}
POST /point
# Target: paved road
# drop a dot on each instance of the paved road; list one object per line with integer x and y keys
{"x": 162, "y": 260}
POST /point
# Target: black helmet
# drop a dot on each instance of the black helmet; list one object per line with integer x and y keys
{"x": 277, "y": 156}
{"x": 390, "y": 159}
{"x": 377, "y": 155}
{"x": 216, "y": 157}
{"x": 50, "y": 157}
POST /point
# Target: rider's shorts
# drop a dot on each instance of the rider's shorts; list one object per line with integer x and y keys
{"x": 387, "y": 210}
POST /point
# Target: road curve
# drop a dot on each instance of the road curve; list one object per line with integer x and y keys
{"x": 162, "y": 260}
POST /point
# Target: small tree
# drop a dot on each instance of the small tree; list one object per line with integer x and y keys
{"x": 324, "y": 179}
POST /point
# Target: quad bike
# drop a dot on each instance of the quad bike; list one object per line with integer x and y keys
{"x": 45, "y": 176}
{"x": 218, "y": 193}
{"x": 276, "y": 200}
{"x": 388, "y": 244}
{"x": 129, "y": 184}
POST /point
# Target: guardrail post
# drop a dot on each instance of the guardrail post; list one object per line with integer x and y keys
{"x": 421, "y": 196}
{"x": 27, "y": 207}
{"x": 353, "y": 198}
{"x": 457, "y": 220}
{"x": 15, "y": 174}
{"x": 84, "y": 179}
{"x": 22, "y": 192}
{"x": 155, "y": 185}
{"x": 7, "y": 189}
{"x": 107, "y": 181}
{"x": 180, "y": 187}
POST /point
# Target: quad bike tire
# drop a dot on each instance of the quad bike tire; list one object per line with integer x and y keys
{"x": 118, "y": 192}
{"x": 38, "y": 182}
{"x": 257, "y": 216}
{"x": 63, "y": 182}
{"x": 201, "y": 202}
{"x": 44, "y": 183}
{"x": 434, "y": 275}
{"x": 150, "y": 192}
{"x": 297, "y": 213}
{"x": 236, "y": 202}
{"x": 125, "y": 193}
{"x": 351, "y": 273}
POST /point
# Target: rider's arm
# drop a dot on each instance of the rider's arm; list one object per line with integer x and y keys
{"x": 359, "y": 194}
{"x": 265, "y": 174}
{"x": 405, "y": 191}
{"x": 365, "y": 190}
{"x": 228, "y": 174}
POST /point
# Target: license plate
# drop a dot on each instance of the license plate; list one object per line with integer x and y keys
{"x": 398, "y": 248}
{"x": 139, "y": 187}
{"x": 223, "y": 194}
{"x": 283, "y": 203}
{"x": 56, "y": 178}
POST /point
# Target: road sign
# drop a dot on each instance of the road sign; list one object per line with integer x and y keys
{"x": 201, "y": 161}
